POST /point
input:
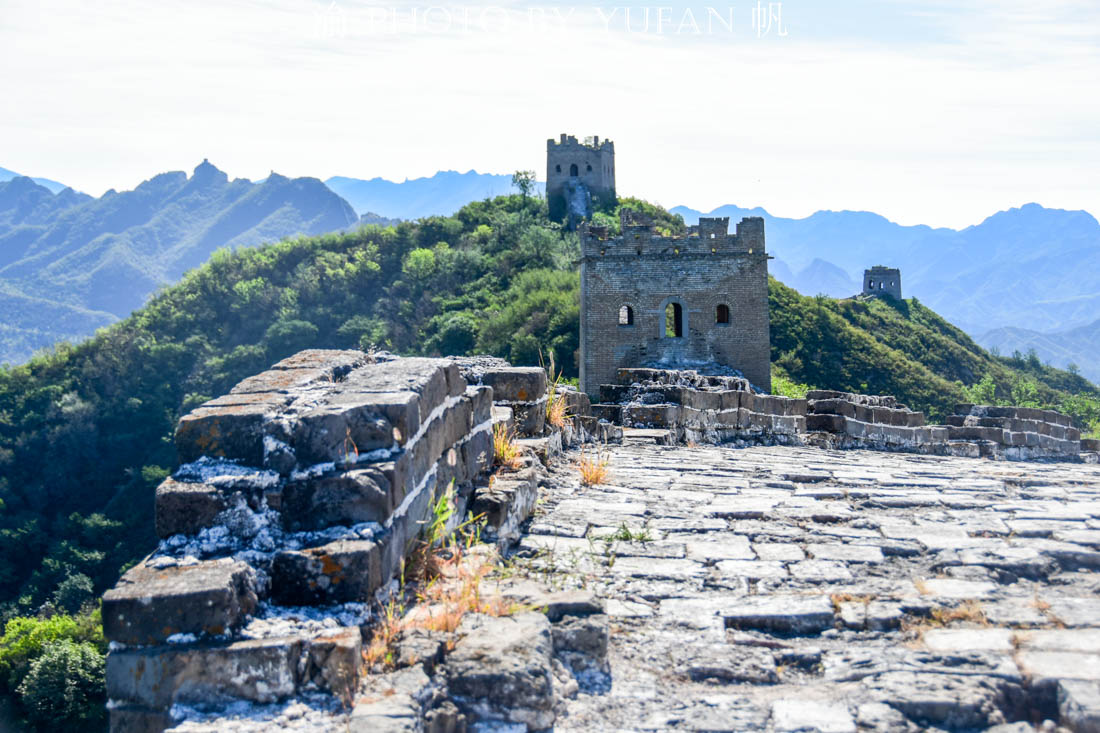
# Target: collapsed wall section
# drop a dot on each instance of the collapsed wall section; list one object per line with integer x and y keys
{"x": 699, "y": 408}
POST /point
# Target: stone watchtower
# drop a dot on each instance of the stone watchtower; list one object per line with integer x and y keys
{"x": 577, "y": 174}
{"x": 678, "y": 302}
{"x": 881, "y": 280}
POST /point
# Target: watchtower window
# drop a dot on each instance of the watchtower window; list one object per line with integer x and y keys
{"x": 626, "y": 316}
{"x": 871, "y": 284}
{"x": 722, "y": 314}
{"x": 557, "y": 169}
{"x": 674, "y": 321}
{"x": 574, "y": 170}
{"x": 588, "y": 168}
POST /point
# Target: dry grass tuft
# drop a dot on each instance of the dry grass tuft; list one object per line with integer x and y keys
{"x": 593, "y": 468}
{"x": 506, "y": 451}
{"x": 838, "y": 598}
{"x": 921, "y": 586}
{"x": 968, "y": 611}
{"x": 557, "y": 411}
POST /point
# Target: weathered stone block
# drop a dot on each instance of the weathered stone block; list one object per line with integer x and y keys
{"x": 516, "y": 384}
{"x": 341, "y": 498}
{"x": 610, "y": 413}
{"x": 577, "y": 403}
{"x": 281, "y": 380}
{"x": 978, "y": 433}
{"x": 500, "y": 669}
{"x": 651, "y": 415}
{"x": 481, "y": 404}
{"x": 1090, "y": 444}
{"x": 185, "y": 508}
{"x": 149, "y": 604}
{"x": 700, "y": 400}
{"x": 782, "y": 614}
{"x": 138, "y": 719}
{"x": 234, "y": 432}
{"x": 339, "y": 572}
{"x": 259, "y": 670}
{"x": 334, "y": 660}
{"x": 505, "y": 504}
{"x": 825, "y": 423}
{"x": 337, "y": 361}
{"x": 1079, "y": 705}
{"x": 613, "y": 393}
{"x": 530, "y": 417}
{"x": 346, "y": 425}
{"x": 477, "y": 454}
{"x": 433, "y": 379}
{"x": 635, "y": 375}
{"x": 730, "y": 399}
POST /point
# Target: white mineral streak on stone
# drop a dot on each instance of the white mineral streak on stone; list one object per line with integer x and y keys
{"x": 223, "y": 473}
{"x": 412, "y": 495}
{"x": 271, "y": 621}
{"x": 312, "y": 712}
{"x": 314, "y": 471}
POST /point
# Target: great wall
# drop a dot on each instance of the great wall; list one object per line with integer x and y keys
{"x": 909, "y": 579}
{"x": 359, "y": 542}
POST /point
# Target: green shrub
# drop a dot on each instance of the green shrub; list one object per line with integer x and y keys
{"x": 73, "y": 592}
{"x": 26, "y": 637}
{"x": 786, "y": 387}
{"x": 65, "y": 687}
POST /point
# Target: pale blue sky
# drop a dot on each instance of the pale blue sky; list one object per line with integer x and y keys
{"x": 930, "y": 112}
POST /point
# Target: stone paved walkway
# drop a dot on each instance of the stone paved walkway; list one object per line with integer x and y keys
{"x": 787, "y": 589}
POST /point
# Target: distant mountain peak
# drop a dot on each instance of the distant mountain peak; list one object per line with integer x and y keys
{"x": 207, "y": 173}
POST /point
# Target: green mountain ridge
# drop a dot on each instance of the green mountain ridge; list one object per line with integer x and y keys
{"x": 86, "y": 430}
{"x": 107, "y": 255}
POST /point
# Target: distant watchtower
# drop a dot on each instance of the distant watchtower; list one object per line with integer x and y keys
{"x": 881, "y": 280}
{"x": 578, "y": 173}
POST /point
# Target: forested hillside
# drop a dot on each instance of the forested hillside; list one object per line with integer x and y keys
{"x": 85, "y": 432}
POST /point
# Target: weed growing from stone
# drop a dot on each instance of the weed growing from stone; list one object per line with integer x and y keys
{"x": 625, "y": 534}
{"x": 556, "y": 409}
{"x": 593, "y": 469}
{"x": 506, "y": 452}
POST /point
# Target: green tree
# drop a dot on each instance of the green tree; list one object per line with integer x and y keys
{"x": 419, "y": 264}
{"x": 982, "y": 393}
{"x": 524, "y": 182}
{"x": 287, "y": 337}
{"x": 64, "y": 689}
{"x": 73, "y": 592}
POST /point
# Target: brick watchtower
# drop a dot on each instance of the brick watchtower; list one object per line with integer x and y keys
{"x": 578, "y": 173}
{"x": 678, "y": 302}
{"x": 881, "y": 280}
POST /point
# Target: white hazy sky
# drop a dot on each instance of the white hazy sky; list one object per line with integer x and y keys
{"x": 938, "y": 112}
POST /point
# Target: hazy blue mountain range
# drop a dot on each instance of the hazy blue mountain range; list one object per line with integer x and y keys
{"x": 442, "y": 194}
{"x": 1080, "y": 346}
{"x": 1028, "y": 267}
{"x": 70, "y": 263}
{"x": 53, "y": 186}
